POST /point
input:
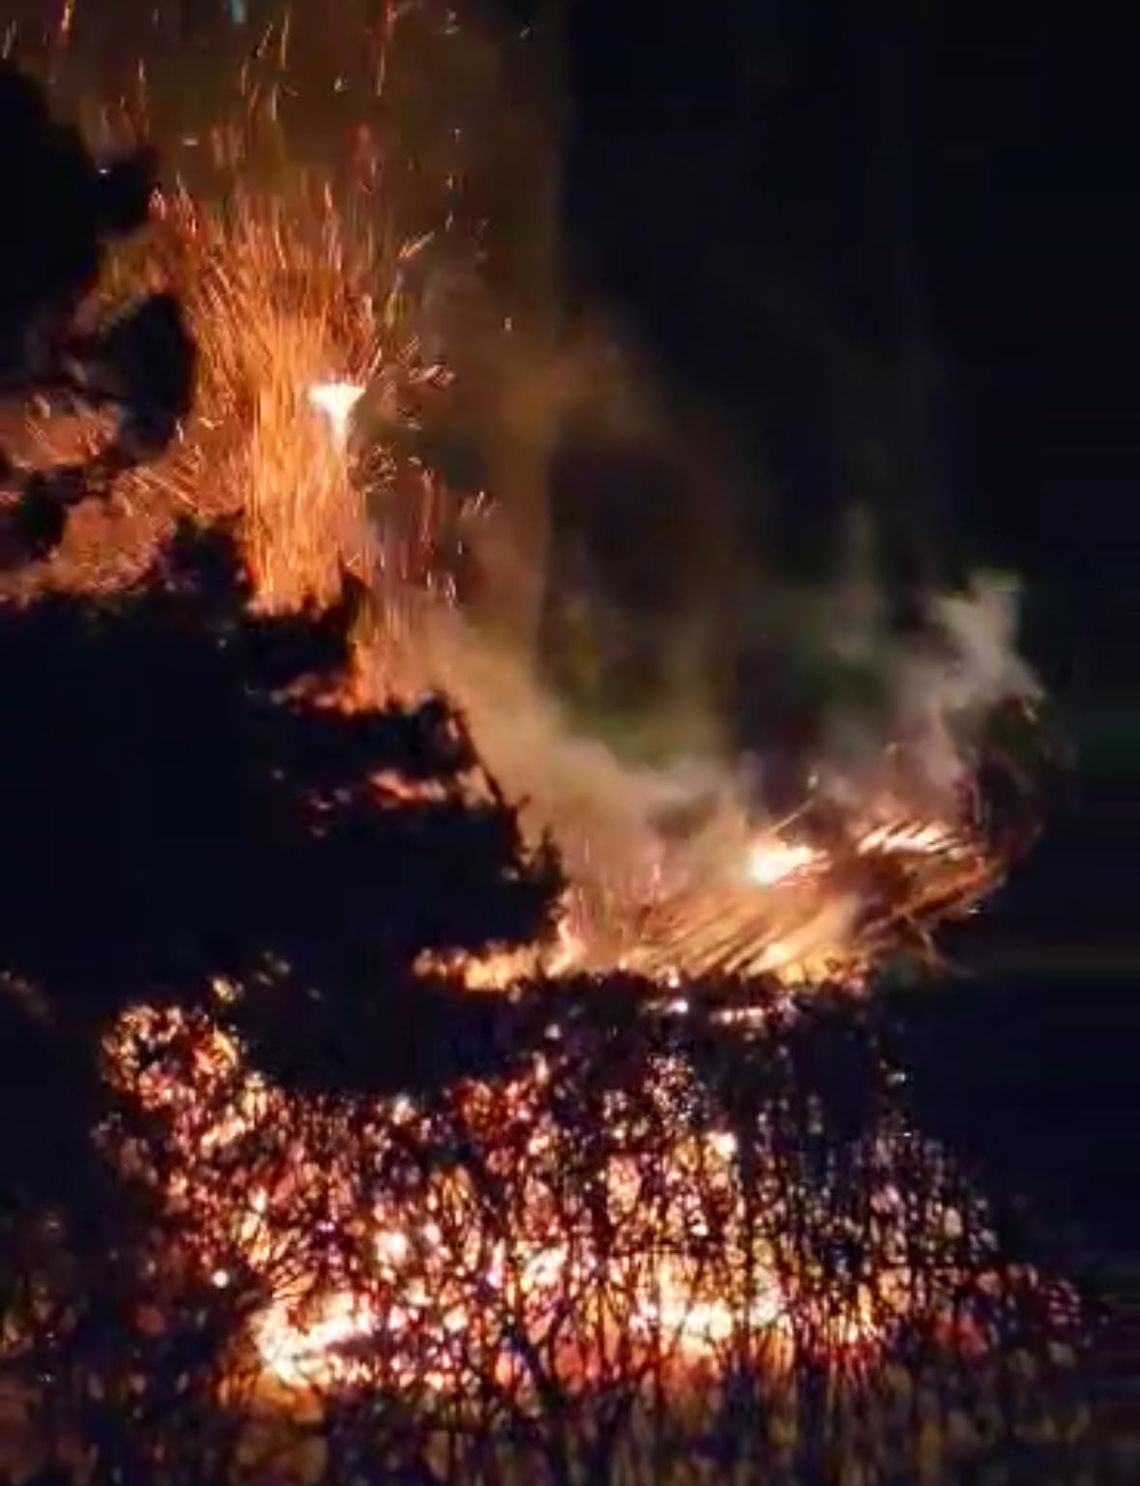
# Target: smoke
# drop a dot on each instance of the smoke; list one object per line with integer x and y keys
{"x": 938, "y": 683}
{"x": 948, "y": 688}
{"x": 633, "y": 646}
{"x": 605, "y": 812}
{"x": 643, "y": 706}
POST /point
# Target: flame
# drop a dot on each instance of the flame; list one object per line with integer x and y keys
{"x": 383, "y": 1255}
{"x": 432, "y": 1282}
{"x": 278, "y": 292}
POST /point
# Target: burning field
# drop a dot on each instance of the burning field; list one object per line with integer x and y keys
{"x": 538, "y": 1266}
{"x": 294, "y": 305}
{"x": 687, "y": 1225}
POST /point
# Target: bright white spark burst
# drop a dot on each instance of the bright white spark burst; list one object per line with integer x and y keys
{"x": 336, "y": 401}
{"x": 771, "y": 861}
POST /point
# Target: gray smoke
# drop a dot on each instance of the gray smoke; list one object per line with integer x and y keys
{"x": 937, "y": 685}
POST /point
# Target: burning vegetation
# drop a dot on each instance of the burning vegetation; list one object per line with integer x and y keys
{"x": 656, "y": 1210}
{"x": 293, "y": 306}
{"x": 617, "y": 1256}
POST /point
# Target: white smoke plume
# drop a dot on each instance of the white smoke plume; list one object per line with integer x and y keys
{"x": 939, "y": 686}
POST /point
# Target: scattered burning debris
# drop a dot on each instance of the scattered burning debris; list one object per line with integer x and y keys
{"x": 554, "y": 1228}
{"x": 589, "y": 1231}
{"x": 292, "y": 304}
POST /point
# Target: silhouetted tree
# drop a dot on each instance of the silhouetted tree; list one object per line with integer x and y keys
{"x": 631, "y": 1249}
{"x": 179, "y": 802}
{"x": 62, "y": 208}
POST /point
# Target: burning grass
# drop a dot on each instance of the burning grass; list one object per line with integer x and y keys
{"x": 297, "y": 303}
{"x": 596, "y": 1260}
{"x": 626, "y": 1255}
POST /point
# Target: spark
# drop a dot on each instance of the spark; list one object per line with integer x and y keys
{"x": 278, "y": 291}
{"x": 336, "y": 400}
{"x": 774, "y": 861}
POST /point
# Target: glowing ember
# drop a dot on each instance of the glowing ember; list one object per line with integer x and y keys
{"x": 411, "y": 1244}
{"x": 426, "y": 1249}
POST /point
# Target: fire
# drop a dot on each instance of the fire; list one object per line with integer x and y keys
{"x": 336, "y": 401}
{"x": 794, "y": 909}
{"x": 281, "y": 292}
{"x": 773, "y": 861}
{"x": 380, "y": 1255}
{"x": 386, "y": 1257}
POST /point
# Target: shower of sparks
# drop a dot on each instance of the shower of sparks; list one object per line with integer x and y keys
{"x": 277, "y": 291}
{"x": 280, "y": 290}
{"x": 432, "y": 1272}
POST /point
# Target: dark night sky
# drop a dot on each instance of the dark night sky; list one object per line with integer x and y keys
{"x": 951, "y": 185}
